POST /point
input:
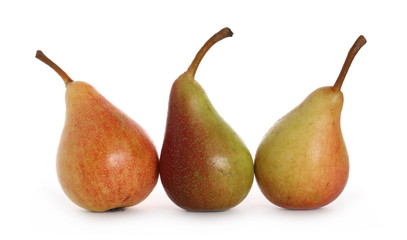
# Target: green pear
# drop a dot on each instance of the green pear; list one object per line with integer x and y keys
{"x": 302, "y": 162}
{"x": 105, "y": 160}
{"x": 204, "y": 165}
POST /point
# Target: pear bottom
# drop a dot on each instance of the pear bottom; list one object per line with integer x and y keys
{"x": 300, "y": 190}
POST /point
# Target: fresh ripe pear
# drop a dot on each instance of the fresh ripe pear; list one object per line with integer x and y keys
{"x": 204, "y": 165}
{"x": 105, "y": 160}
{"x": 302, "y": 162}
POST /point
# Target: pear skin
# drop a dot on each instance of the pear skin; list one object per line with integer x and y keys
{"x": 204, "y": 165}
{"x": 302, "y": 162}
{"x": 105, "y": 160}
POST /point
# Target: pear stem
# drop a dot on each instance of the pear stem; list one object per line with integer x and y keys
{"x": 224, "y": 33}
{"x": 41, "y": 56}
{"x": 348, "y": 61}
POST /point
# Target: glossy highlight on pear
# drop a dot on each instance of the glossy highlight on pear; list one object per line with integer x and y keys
{"x": 302, "y": 162}
{"x": 105, "y": 160}
{"x": 204, "y": 165}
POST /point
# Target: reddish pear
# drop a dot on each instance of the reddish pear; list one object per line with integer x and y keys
{"x": 105, "y": 160}
{"x": 204, "y": 165}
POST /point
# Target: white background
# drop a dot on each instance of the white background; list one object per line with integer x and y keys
{"x": 132, "y": 52}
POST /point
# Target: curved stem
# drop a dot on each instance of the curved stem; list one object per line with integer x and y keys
{"x": 348, "y": 61}
{"x": 224, "y": 33}
{"x": 41, "y": 56}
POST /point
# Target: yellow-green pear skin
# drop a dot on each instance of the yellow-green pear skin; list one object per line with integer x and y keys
{"x": 302, "y": 162}
{"x": 105, "y": 160}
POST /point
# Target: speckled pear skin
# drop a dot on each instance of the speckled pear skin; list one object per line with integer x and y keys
{"x": 204, "y": 165}
{"x": 105, "y": 160}
{"x": 302, "y": 162}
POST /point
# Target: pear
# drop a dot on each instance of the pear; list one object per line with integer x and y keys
{"x": 105, "y": 160}
{"x": 302, "y": 162}
{"x": 204, "y": 165}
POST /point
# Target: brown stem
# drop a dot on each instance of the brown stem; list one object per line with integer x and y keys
{"x": 348, "y": 61}
{"x": 41, "y": 56}
{"x": 224, "y": 33}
